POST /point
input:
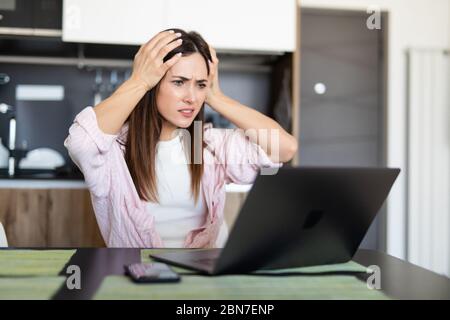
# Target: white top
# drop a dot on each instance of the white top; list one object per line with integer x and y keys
{"x": 176, "y": 213}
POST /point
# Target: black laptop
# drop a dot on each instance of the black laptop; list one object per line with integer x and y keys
{"x": 299, "y": 217}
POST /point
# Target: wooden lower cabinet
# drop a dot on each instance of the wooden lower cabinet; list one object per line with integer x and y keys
{"x": 233, "y": 204}
{"x": 64, "y": 217}
{"x": 49, "y": 218}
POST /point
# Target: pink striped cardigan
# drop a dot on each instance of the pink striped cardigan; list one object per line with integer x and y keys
{"x": 121, "y": 215}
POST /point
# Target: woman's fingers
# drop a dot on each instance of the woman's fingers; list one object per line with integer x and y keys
{"x": 148, "y": 62}
{"x": 169, "y": 47}
{"x": 153, "y": 41}
{"x": 169, "y": 63}
{"x": 213, "y": 54}
{"x": 163, "y": 42}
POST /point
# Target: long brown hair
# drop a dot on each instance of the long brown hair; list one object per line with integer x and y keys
{"x": 145, "y": 124}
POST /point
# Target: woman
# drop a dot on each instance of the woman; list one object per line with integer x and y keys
{"x": 129, "y": 146}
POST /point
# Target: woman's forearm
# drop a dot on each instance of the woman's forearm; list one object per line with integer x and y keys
{"x": 260, "y": 127}
{"x": 114, "y": 111}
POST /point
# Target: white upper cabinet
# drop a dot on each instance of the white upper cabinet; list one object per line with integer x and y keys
{"x": 255, "y": 25}
{"x": 131, "y": 22}
{"x": 243, "y": 25}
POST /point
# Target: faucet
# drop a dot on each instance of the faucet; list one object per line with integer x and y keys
{"x": 4, "y": 108}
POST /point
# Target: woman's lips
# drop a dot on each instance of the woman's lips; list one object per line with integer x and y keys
{"x": 187, "y": 113}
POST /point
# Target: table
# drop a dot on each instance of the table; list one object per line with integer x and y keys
{"x": 102, "y": 269}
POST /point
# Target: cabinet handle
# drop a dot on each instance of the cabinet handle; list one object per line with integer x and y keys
{"x": 1, "y": 17}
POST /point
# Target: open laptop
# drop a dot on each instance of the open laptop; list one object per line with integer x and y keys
{"x": 299, "y": 217}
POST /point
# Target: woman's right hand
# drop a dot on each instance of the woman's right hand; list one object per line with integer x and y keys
{"x": 148, "y": 65}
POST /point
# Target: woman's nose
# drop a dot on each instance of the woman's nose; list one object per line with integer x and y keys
{"x": 190, "y": 95}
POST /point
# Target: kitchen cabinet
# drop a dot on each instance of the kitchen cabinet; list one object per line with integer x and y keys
{"x": 131, "y": 22}
{"x": 251, "y": 25}
{"x": 16, "y": 14}
{"x": 49, "y": 218}
{"x": 65, "y": 217}
{"x": 233, "y": 204}
{"x": 47, "y": 14}
{"x": 37, "y": 17}
{"x": 254, "y": 25}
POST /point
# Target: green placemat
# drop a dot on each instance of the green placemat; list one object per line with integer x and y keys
{"x": 310, "y": 285}
{"x": 341, "y": 267}
{"x": 19, "y": 263}
{"x": 241, "y": 287}
{"x": 34, "y": 288}
{"x": 348, "y": 267}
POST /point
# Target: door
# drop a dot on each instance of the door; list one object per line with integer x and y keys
{"x": 342, "y": 96}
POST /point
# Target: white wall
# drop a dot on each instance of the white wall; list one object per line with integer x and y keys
{"x": 412, "y": 23}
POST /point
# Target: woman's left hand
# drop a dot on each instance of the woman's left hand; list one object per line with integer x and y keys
{"x": 214, "y": 89}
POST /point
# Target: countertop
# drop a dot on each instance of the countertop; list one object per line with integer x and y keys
{"x": 51, "y": 179}
{"x": 42, "y": 179}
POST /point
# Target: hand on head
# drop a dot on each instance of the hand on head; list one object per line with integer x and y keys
{"x": 148, "y": 64}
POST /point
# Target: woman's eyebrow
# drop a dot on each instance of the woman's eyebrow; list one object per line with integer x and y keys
{"x": 187, "y": 79}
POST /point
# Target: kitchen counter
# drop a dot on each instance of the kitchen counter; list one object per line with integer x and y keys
{"x": 59, "y": 213}
{"x": 41, "y": 179}
{"x": 56, "y": 212}
{"x": 50, "y": 180}
{"x": 41, "y": 184}
{"x": 42, "y": 174}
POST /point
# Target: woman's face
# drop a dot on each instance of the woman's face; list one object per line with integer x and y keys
{"x": 183, "y": 90}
